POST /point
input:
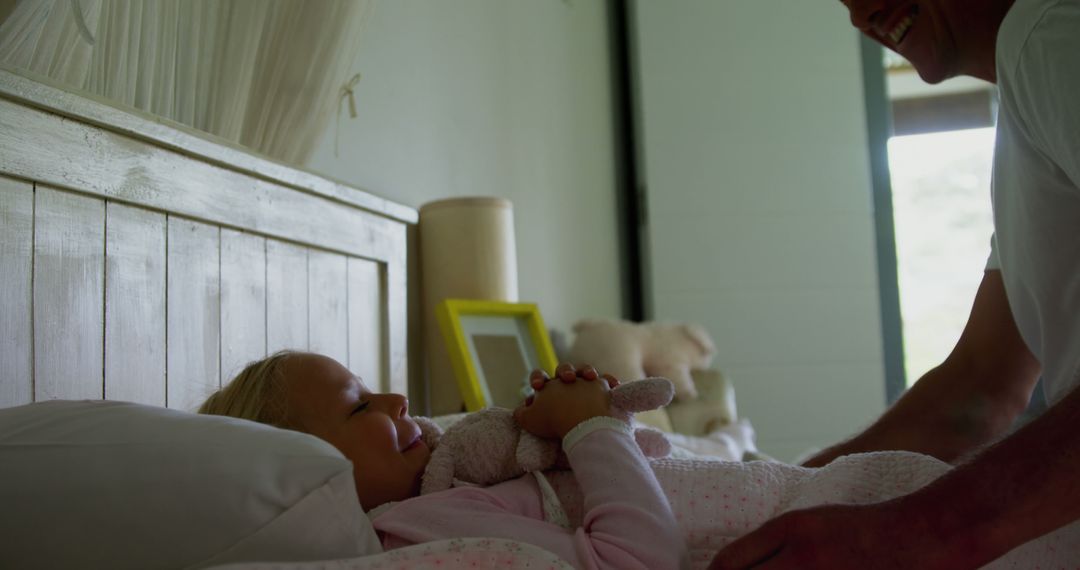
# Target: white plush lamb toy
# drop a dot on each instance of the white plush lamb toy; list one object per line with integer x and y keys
{"x": 488, "y": 446}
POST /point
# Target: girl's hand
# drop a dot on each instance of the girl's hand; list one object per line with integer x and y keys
{"x": 560, "y": 404}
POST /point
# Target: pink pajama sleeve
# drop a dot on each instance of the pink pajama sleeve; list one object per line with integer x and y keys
{"x": 627, "y": 523}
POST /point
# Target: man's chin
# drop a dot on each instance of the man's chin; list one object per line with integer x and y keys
{"x": 932, "y": 70}
{"x": 933, "y": 76}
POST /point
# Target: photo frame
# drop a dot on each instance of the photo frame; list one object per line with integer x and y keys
{"x": 493, "y": 346}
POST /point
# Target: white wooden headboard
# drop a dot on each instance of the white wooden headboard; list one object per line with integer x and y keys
{"x": 144, "y": 262}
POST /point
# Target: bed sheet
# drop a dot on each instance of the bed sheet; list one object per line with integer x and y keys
{"x": 730, "y": 442}
{"x": 715, "y": 502}
{"x": 471, "y": 553}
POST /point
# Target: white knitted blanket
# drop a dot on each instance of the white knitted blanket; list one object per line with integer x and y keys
{"x": 716, "y": 502}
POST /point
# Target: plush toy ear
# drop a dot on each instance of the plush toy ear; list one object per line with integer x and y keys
{"x": 613, "y": 347}
{"x": 641, "y": 395}
{"x": 439, "y": 473}
{"x": 430, "y": 432}
{"x": 701, "y": 338}
{"x": 589, "y": 323}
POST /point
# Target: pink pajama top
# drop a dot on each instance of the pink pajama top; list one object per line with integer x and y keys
{"x": 628, "y": 522}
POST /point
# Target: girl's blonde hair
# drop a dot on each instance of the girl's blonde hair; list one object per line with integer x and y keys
{"x": 257, "y": 393}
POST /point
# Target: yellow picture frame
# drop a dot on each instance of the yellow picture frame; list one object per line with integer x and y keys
{"x": 490, "y": 344}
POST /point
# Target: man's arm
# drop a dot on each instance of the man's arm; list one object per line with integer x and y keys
{"x": 1020, "y": 488}
{"x": 1015, "y": 490}
{"x": 967, "y": 401}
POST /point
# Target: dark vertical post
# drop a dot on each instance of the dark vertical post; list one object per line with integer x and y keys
{"x": 878, "y": 128}
{"x": 628, "y": 201}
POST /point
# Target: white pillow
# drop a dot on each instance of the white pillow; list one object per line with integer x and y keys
{"x": 119, "y": 485}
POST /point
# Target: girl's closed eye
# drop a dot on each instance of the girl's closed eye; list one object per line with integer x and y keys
{"x": 359, "y": 408}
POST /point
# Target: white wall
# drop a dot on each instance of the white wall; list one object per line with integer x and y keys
{"x": 756, "y": 163}
{"x": 505, "y": 98}
{"x": 760, "y": 208}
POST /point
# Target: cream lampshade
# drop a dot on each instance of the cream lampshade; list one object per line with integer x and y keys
{"x": 467, "y": 251}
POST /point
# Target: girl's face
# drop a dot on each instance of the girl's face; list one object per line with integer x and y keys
{"x": 374, "y": 431}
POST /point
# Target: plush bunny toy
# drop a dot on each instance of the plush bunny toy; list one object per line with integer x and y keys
{"x": 488, "y": 446}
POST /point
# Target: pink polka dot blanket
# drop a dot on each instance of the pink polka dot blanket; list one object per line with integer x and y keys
{"x": 453, "y": 554}
{"x": 716, "y": 502}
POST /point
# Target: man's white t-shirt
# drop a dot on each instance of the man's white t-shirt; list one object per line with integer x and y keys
{"x": 1036, "y": 182}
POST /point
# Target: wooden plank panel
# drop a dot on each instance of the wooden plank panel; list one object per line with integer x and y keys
{"x": 243, "y": 301}
{"x": 415, "y": 379}
{"x": 397, "y": 321}
{"x": 367, "y": 318}
{"x": 16, "y": 333}
{"x": 194, "y": 308}
{"x": 189, "y": 141}
{"x": 96, "y": 161}
{"x": 328, "y": 305}
{"x": 134, "y": 305}
{"x": 286, "y": 296}
{"x": 69, "y": 293}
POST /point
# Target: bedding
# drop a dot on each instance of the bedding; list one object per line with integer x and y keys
{"x": 471, "y": 553}
{"x": 117, "y": 485}
{"x": 731, "y": 442}
{"x": 715, "y": 502}
{"x": 126, "y": 281}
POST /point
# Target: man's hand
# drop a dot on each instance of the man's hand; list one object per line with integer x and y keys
{"x": 557, "y": 407}
{"x": 835, "y": 536}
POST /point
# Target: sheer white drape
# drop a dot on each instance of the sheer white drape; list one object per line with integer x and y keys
{"x": 262, "y": 73}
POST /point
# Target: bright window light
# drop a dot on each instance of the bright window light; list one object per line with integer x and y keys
{"x": 943, "y": 220}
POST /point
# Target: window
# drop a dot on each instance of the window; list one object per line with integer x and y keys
{"x": 940, "y": 157}
{"x": 943, "y": 223}
{"x": 940, "y": 154}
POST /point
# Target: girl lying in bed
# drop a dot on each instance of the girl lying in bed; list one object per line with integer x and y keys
{"x": 627, "y": 521}
{"x": 624, "y": 512}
